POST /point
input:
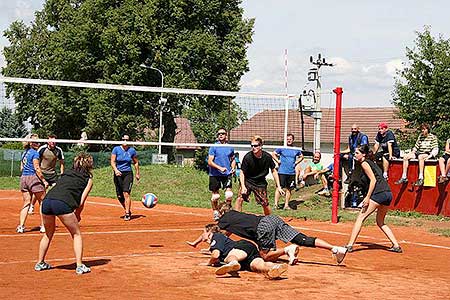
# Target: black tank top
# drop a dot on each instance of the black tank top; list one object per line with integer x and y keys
{"x": 381, "y": 184}
{"x": 69, "y": 188}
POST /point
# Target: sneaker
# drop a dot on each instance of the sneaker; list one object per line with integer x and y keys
{"x": 349, "y": 248}
{"x": 442, "y": 179}
{"x": 395, "y": 249}
{"x": 324, "y": 192}
{"x": 419, "y": 182}
{"x": 276, "y": 271}
{"x": 41, "y": 229}
{"x": 31, "y": 209}
{"x": 339, "y": 253}
{"x": 216, "y": 215}
{"x": 41, "y": 266}
{"x": 82, "y": 269}
{"x": 292, "y": 252}
{"x": 127, "y": 217}
{"x": 401, "y": 181}
{"x": 20, "y": 229}
{"x": 230, "y": 267}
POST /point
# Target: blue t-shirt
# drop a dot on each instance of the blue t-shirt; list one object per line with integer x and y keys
{"x": 222, "y": 157}
{"x": 27, "y": 161}
{"x": 124, "y": 158}
{"x": 287, "y": 160}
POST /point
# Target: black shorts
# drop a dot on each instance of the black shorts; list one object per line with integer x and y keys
{"x": 55, "y": 207}
{"x": 51, "y": 178}
{"x": 123, "y": 183}
{"x": 446, "y": 157}
{"x": 287, "y": 181}
{"x": 417, "y": 154}
{"x": 219, "y": 182}
{"x": 250, "y": 249}
{"x": 383, "y": 198}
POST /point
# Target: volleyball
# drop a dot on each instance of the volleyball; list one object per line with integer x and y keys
{"x": 149, "y": 200}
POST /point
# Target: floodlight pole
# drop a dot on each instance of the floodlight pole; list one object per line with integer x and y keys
{"x": 162, "y": 102}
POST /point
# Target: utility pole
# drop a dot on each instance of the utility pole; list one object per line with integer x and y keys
{"x": 316, "y": 113}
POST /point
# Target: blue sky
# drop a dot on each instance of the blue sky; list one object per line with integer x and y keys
{"x": 365, "y": 39}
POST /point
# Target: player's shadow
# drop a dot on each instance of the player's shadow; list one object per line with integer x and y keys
{"x": 304, "y": 262}
{"x": 369, "y": 246}
{"x": 89, "y": 263}
{"x": 133, "y": 217}
{"x": 293, "y": 204}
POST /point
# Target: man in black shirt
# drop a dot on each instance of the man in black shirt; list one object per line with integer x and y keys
{"x": 254, "y": 169}
{"x": 386, "y": 147}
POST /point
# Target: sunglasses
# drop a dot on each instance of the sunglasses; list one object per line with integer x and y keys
{"x": 125, "y": 139}
{"x": 255, "y": 146}
{"x": 354, "y": 128}
{"x": 221, "y": 133}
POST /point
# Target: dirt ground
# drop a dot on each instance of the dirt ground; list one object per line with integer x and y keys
{"x": 148, "y": 258}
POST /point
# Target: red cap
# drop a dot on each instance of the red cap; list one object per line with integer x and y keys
{"x": 383, "y": 125}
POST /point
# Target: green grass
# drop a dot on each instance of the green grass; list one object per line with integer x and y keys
{"x": 186, "y": 186}
{"x": 441, "y": 231}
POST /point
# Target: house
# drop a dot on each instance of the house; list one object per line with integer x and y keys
{"x": 269, "y": 124}
{"x": 184, "y": 155}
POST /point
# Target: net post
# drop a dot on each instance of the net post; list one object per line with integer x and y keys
{"x": 337, "y": 142}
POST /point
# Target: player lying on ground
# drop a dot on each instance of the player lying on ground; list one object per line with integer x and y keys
{"x": 265, "y": 230}
{"x": 238, "y": 255}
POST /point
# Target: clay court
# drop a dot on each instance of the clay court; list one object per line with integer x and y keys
{"x": 148, "y": 258}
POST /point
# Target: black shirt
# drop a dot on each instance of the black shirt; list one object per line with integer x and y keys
{"x": 381, "y": 184}
{"x": 239, "y": 223}
{"x": 384, "y": 140}
{"x": 256, "y": 169}
{"x": 222, "y": 243}
{"x": 69, "y": 188}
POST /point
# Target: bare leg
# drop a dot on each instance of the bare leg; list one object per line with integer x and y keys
{"x": 405, "y": 166}
{"x": 272, "y": 255}
{"x": 49, "y": 223}
{"x": 24, "y": 211}
{"x": 422, "y": 158}
{"x": 71, "y": 223}
{"x": 381, "y": 214}
{"x": 127, "y": 204}
{"x": 267, "y": 210}
{"x": 277, "y": 198}
{"x": 385, "y": 165}
{"x": 238, "y": 204}
{"x": 288, "y": 198}
{"x": 38, "y": 197}
{"x": 360, "y": 220}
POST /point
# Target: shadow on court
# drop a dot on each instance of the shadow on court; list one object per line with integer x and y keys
{"x": 89, "y": 263}
{"x": 369, "y": 246}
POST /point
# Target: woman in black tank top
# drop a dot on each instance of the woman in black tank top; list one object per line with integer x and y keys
{"x": 378, "y": 198}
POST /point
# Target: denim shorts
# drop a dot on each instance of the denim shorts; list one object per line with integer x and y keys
{"x": 55, "y": 207}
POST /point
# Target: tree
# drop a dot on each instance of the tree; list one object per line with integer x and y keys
{"x": 10, "y": 124}
{"x": 422, "y": 92}
{"x": 197, "y": 44}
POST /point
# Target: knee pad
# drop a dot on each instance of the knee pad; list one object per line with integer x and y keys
{"x": 121, "y": 198}
{"x": 303, "y": 240}
{"x": 228, "y": 194}
{"x": 215, "y": 197}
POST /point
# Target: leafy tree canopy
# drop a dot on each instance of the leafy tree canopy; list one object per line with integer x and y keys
{"x": 197, "y": 44}
{"x": 422, "y": 91}
{"x": 10, "y": 124}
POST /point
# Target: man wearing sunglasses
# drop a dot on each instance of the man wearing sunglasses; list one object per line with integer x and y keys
{"x": 222, "y": 166}
{"x": 355, "y": 140}
{"x": 254, "y": 169}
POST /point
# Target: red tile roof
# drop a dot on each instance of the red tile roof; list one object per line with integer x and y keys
{"x": 269, "y": 124}
{"x": 184, "y": 134}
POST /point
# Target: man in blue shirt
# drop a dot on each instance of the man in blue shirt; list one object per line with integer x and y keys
{"x": 222, "y": 166}
{"x": 286, "y": 159}
{"x": 355, "y": 139}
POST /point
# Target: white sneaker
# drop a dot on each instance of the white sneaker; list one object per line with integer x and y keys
{"x": 232, "y": 266}
{"x": 276, "y": 271}
{"x": 31, "y": 209}
{"x": 20, "y": 229}
{"x": 339, "y": 253}
{"x": 41, "y": 229}
{"x": 324, "y": 192}
{"x": 216, "y": 215}
{"x": 292, "y": 252}
{"x": 82, "y": 269}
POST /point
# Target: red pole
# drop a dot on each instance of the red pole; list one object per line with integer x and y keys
{"x": 337, "y": 149}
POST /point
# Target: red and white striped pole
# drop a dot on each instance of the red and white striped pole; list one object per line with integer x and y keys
{"x": 337, "y": 142}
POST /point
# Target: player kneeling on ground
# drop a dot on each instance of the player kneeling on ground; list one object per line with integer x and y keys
{"x": 238, "y": 255}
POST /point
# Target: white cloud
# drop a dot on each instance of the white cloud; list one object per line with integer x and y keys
{"x": 367, "y": 69}
{"x": 253, "y": 83}
{"x": 24, "y": 10}
{"x": 391, "y": 67}
{"x": 341, "y": 65}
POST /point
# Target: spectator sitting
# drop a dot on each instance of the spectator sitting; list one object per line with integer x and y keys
{"x": 444, "y": 164}
{"x": 426, "y": 147}
{"x": 355, "y": 139}
{"x": 316, "y": 172}
{"x": 386, "y": 147}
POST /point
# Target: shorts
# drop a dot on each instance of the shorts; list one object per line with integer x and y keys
{"x": 272, "y": 228}
{"x": 219, "y": 182}
{"x": 417, "y": 154}
{"x": 31, "y": 183}
{"x": 260, "y": 195}
{"x": 287, "y": 181}
{"x": 250, "y": 249}
{"x": 55, "y": 207}
{"x": 383, "y": 198}
{"x": 446, "y": 156}
{"x": 51, "y": 178}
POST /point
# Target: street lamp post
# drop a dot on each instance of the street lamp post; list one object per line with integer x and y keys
{"x": 162, "y": 101}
